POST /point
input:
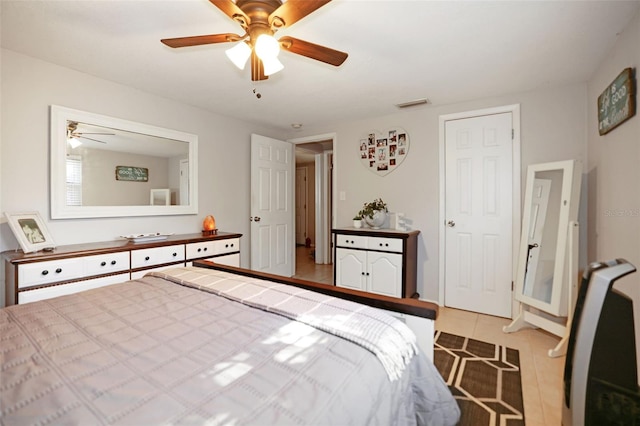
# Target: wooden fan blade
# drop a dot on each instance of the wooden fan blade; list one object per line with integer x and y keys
{"x": 294, "y": 10}
{"x": 199, "y": 40}
{"x": 257, "y": 69}
{"x": 230, "y": 9}
{"x": 313, "y": 51}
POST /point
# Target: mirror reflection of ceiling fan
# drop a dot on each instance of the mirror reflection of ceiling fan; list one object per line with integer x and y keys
{"x": 75, "y": 138}
{"x": 260, "y": 19}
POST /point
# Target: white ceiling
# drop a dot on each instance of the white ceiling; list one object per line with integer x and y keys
{"x": 399, "y": 50}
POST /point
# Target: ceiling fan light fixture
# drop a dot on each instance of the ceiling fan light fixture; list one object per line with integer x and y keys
{"x": 272, "y": 66}
{"x": 267, "y": 47}
{"x": 239, "y": 54}
{"x": 74, "y": 142}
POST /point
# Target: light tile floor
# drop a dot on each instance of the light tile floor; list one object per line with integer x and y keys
{"x": 541, "y": 375}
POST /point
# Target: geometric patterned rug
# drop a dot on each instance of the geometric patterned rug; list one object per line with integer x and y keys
{"x": 483, "y": 377}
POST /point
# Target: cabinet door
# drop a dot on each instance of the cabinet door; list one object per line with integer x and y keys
{"x": 385, "y": 273}
{"x": 350, "y": 268}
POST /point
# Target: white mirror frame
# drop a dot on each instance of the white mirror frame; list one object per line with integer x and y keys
{"x": 59, "y": 209}
{"x": 565, "y": 267}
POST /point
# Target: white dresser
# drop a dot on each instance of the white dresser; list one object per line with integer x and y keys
{"x": 380, "y": 261}
{"x": 69, "y": 269}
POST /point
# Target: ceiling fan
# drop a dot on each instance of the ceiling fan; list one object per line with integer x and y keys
{"x": 260, "y": 19}
{"x": 73, "y": 136}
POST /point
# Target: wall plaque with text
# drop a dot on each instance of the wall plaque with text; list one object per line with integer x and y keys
{"x": 617, "y": 103}
{"x": 134, "y": 174}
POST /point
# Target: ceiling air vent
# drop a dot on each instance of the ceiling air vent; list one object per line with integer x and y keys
{"x": 413, "y": 103}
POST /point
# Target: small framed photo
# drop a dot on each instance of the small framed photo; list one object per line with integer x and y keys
{"x": 30, "y": 231}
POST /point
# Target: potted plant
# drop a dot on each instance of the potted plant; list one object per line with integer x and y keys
{"x": 357, "y": 221}
{"x": 374, "y": 213}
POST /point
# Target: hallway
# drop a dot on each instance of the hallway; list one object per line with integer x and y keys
{"x": 307, "y": 269}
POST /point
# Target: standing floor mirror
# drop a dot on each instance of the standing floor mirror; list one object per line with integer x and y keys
{"x": 547, "y": 271}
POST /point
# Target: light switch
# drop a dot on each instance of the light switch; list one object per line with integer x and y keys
{"x": 343, "y": 195}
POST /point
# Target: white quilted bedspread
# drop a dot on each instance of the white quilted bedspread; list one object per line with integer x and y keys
{"x": 152, "y": 352}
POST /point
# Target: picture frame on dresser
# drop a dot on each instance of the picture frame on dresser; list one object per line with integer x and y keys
{"x": 30, "y": 231}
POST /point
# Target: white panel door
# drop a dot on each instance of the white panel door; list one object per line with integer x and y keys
{"x": 478, "y": 208}
{"x": 184, "y": 183}
{"x": 272, "y": 227}
{"x": 539, "y": 205}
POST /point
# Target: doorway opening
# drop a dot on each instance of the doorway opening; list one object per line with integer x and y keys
{"x": 314, "y": 207}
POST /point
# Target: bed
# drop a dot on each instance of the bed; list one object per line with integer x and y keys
{"x": 214, "y": 345}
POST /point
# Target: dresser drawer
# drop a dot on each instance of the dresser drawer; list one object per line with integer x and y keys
{"x": 61, "y": 290}
{"x": 52, "y": 271}
{"x": 212, "y": 248}
{"x": 157, "y": 256}
{"x": 228, "y": 246}
{"x": 385, "y": 244}
{"x": 106, "y": 263}
{"x": 199, "y": 250}
{"x": 351, "y": 241}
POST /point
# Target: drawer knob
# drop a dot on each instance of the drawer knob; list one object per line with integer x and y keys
{"x": 199, "y": 250}
{"x": 175, "y": 254}
{"x": 205, "y": 249}
{"x": 146, "y": 258}
{"x": 103, "y": 263}
{"x": 113, "y": 262}
{"x": 58, "y": 270}
{"x": 45, "y": 272}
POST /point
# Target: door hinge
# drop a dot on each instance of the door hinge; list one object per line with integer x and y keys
{"x": 511, "y": 285}
{"x": 513, "y": 134}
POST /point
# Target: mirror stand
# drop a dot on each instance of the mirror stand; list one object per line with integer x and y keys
{"x": 529, "y": 316}
{"x": 547, "y": 271}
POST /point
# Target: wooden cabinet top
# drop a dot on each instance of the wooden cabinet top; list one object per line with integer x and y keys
{"x": 104, "y": 247}
{"x": 389, "y": 233}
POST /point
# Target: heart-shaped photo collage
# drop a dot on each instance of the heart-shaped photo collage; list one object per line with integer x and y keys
{"x": 383, "y": 152}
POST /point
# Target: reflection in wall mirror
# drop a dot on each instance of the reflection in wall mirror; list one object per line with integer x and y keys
{"x": 106, "y": 167}
{"x": 548, "y": 262}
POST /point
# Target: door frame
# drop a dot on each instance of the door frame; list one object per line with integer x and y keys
{"x": 516, "y": 179}
{"x": 305, "y": 201}
{"x": 324, "y": 218}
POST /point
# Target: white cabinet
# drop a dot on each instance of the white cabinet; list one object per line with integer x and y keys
{"x": 70, "y": 269}
{"x": 376, "y": 261}
{"x": 375, "y": 272}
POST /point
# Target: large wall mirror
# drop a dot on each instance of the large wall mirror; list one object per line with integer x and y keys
{"x": 108, "y": 167}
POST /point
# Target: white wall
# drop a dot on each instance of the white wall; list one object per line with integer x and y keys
{"x": 553, "y": 123}
{"x": 614, "y": 172}
{"x": 30, "y": 86}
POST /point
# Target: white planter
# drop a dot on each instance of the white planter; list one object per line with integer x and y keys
{"x": 357, "y": 223}
{"x": 377, "y": 220}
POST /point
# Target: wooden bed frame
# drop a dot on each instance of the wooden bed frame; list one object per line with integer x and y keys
{"x": 418, "y": 315}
